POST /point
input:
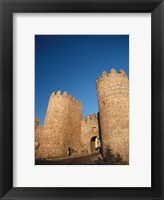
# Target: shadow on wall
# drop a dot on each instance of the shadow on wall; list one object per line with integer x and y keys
{"x": 113, "y": 159}
{"x": 100, "y": 137}
{"x": 108, "y": 156}
{"x": 92, "y": 144}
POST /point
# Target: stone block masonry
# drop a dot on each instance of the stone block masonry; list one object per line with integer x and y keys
{"x": 38, "y": 135}
{"x": 89, "y": 132}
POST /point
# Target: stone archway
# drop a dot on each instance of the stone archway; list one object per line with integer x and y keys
{"x": 92, "y": 145}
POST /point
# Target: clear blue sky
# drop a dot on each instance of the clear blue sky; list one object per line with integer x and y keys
{"x": 72, "y": 63}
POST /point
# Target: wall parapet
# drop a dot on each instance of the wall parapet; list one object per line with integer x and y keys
{"x": 112, "y": 73}
{"x": 40, "y": 127}
{"x": 65, "y": 95}
{"x": 37, "y": 119}
{"x": 90, "y": 117}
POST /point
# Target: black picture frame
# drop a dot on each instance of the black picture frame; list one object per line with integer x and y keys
{"x": 7, "y": 8}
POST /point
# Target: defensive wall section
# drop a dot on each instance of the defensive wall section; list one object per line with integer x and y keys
{"x": 113, "y": 102}
{"x": 37, "y": 119}
{"x": 89, "y": 130}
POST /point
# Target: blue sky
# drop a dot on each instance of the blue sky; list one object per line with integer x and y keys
{"x": 73, "y": 63}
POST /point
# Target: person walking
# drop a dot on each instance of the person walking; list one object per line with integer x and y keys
{"x": 68, "y": 151}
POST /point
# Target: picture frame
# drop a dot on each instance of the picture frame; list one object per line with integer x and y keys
{"x": 7, "y": 8}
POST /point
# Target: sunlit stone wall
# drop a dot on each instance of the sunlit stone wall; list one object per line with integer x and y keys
{"x": 113, "y": 101}
{"x": 62, "y": 126}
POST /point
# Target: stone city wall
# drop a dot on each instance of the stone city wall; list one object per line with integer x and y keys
{"x": 113, "y": 101}
{"x": 38, "y": 135}
{"x": 89, "y": 129}
{"x": 37, "y": 119}
{"x": 62, "y": 126}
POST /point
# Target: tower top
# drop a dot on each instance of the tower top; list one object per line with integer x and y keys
{"x": 65, "y": 95}
{"x": 112, "y": 73}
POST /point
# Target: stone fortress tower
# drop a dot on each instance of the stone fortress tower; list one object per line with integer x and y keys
{"x": 62, "y": 126}
{"x": 113, "y": 101}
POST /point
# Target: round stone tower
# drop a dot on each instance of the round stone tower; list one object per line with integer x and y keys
{"x": 113, "y": 101}
{"x": 62, "y": 126}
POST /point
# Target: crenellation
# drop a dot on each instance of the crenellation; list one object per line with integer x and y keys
{"x": 113, "y": 71}
{"x": 104, "y": 74}
{"x": 94, "y": 117}
{"x": 66, "y": 97}
{"x": 88, "y": 117}
{"x": 65, "y": 93}
{"x": 58, "y": 92}
{"x": 37, "y": 119}
{"x": 123, "y": 73}
{"x": 52, "y": 94}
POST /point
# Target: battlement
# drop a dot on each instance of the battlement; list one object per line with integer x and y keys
{"x": 112, "y": 73}
{"x": 40, "y": 127}
{"x": 65, "y": 95}
{"x": 89, "y": 118}
{"x": 37, "y": 119}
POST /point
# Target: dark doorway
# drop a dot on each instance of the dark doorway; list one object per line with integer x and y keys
{"x": 93, "y": 144}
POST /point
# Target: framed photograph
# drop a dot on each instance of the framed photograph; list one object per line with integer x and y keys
{"x": 81, "y": 99}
